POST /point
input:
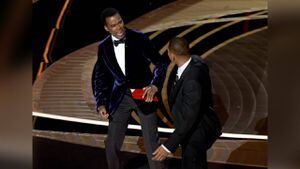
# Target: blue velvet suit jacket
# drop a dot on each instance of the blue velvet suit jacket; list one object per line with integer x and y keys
{"x": 109, "y": 82}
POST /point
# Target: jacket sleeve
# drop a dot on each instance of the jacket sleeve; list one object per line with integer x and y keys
{"x": 161, "y": 63}
{"x": 190, "y": 107}
{"x": 102, "y": 82}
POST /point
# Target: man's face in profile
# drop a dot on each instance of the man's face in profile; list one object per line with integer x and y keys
{"x": 115, "y": 26}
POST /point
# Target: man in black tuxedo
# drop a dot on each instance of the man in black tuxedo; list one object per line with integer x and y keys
{"x": 190, "y": 98}
{"x": 123, "y": 64}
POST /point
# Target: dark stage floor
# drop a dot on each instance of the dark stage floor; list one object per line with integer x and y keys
{"x": 51, "y": 154}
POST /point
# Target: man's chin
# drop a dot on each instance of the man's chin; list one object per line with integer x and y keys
{"x": 120, "y": 36}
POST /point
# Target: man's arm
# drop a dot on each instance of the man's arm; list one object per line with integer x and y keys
{"x": 159, "y": 72}
{"x": 102, "y": 82}
{"x": 160, "y": 63}
{"x": 190, "y": 107}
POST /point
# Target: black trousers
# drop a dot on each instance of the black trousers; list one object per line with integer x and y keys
{"x": 193, "y": 157}
{"x": 117, "y": 128}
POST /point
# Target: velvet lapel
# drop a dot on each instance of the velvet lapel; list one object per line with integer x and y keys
{"x": 111, "y": 58}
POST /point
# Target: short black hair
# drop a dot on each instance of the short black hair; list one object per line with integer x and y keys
{"x": 108, "y": 12}
{"x": 179, "y": 46}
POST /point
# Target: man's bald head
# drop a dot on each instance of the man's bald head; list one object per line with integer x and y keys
{"x": 179, "y": 46}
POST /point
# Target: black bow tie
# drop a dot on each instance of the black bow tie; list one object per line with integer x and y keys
{"x": 117, "y": 42}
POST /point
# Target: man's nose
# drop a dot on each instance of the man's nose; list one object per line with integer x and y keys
{"x": 119, "y": 26}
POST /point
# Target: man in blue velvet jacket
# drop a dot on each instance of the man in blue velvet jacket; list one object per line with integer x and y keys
{"x": 123, "y": 64}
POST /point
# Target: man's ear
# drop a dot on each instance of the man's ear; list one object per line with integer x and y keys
{"x": 105, "y": 27}
{"x": 173, "y": 57}
{"x": 170, "y": 53}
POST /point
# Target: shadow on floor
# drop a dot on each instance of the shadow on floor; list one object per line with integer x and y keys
{"x": 49, "y": 154}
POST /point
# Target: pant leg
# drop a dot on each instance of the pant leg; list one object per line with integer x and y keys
{"x": 151, "y": 139}
{"x": 193, "y": 158}
{"x": 116, "y": 133}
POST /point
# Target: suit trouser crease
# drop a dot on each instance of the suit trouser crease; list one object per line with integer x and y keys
{"x": 117, "y": 129}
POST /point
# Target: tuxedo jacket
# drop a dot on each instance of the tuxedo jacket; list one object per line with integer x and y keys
{"x": 190, "y": 101}
{"x": 109, "y": 82}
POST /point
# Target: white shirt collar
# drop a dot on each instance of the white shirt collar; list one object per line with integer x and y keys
{"x": 182, "y": 68}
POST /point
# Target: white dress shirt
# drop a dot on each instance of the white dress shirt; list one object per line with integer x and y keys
{"x": 120, "y": 54}
{"x": 179, "y": 73}
{"x": 182, "y": 68}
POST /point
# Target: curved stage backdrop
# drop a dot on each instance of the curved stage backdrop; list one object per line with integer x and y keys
{"x": 233, "y": 43}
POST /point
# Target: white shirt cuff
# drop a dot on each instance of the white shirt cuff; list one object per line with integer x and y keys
{"x": 165, "y": 148}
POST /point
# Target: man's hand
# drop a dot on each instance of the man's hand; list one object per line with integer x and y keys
{"x": 102, "y": 112}
{"x": 160, "y": 154}
{"x": 149, "y": 93}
